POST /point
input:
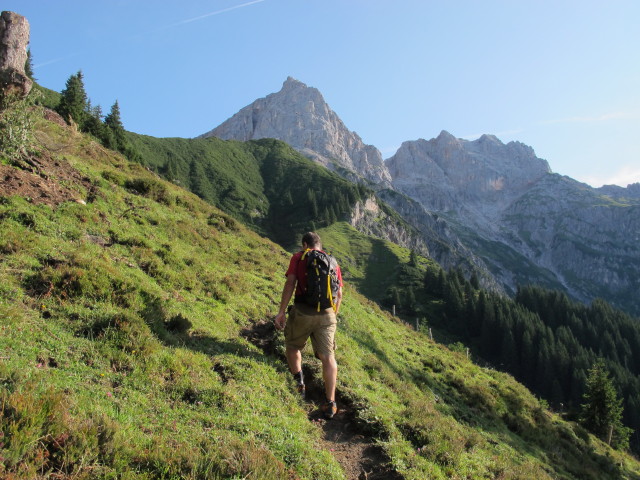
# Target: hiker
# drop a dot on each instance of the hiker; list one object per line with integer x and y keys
{"x": 315, "y": 319}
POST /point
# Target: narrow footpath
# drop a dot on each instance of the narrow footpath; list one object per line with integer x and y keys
{"x": 356, "y": 451}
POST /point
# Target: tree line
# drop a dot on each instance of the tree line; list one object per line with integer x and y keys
{"x": 562, "y": 350}
{"x": 75, "y": 107}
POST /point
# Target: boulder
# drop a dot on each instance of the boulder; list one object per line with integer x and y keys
{"x": 14, "y": 38}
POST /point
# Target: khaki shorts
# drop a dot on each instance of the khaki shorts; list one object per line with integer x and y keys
{"x": 304, "y": 323}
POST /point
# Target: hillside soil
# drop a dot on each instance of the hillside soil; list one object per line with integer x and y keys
{"x": 357, "y": 452}
{"x": 42, "y": 179}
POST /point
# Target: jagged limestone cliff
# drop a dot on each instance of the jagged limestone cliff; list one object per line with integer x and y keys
{"x": 526, "y": 224}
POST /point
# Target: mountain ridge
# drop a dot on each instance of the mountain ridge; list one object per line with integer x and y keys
{"x": 470, "y": 184}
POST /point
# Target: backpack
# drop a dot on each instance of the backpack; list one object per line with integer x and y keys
{"x": 322, "y": 279}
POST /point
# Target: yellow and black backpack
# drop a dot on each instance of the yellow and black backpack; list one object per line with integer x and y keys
{"x": 322, "y": 279}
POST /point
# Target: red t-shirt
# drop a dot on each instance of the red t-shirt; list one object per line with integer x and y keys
{"x": 299, "y": 269}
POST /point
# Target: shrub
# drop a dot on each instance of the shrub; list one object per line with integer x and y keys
{"x": 149, "y": 188}
{"x": 223, "y": 223}
{"x": 114, "y": 177}
{"x": 17, "y": 120}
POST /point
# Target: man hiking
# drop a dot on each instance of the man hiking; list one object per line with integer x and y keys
{"x": 316, "y": 280}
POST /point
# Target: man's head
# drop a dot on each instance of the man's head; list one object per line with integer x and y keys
{"x": 311, "y": 240}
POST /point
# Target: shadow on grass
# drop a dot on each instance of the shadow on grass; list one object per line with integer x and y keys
{"x": 380, "y": 271}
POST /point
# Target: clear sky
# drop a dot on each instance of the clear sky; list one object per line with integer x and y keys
{"x": 560, "y": 76}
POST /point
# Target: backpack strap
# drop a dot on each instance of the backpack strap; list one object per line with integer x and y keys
{"x": 329, "y": 294}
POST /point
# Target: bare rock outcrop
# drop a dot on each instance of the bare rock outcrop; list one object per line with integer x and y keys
{"x": 371, "y": 219}
{"x": 14, "y": 38}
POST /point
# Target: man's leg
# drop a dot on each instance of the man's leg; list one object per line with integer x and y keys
{"x": 294, "y": 359}
{"x": 330, "y": 375}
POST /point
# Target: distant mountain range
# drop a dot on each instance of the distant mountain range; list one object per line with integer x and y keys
{"x": 482, "y": 205}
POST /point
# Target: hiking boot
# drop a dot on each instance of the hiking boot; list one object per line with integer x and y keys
{"x": 302, "y": 390}
{"x": 329, "y": 409}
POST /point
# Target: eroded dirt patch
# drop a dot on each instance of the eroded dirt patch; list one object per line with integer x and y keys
{"x": 43, "y": 179}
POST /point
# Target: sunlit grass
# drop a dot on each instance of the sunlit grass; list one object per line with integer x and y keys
{"x": 121, "y": 354}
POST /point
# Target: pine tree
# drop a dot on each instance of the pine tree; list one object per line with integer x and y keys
{"x": 509, "y": 354}
{"x": 413, "y": 258}
{"x": 73, "y": 100}
{"x": 602, "y": 409}
{"x": 28, "y": 65}
{"x": 114, "y": 124}
{"x": 431, "y": 280}
{"x": 442, "y": 281}
{"x": 475, "y": 281}
{"x": 93, "y": 121}
{"x": 311, "y": 196}
{"x": 453, "y": 301}
{"x": 528, "y": 357}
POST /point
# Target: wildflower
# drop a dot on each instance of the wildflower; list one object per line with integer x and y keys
{"x": 109, "y": 394}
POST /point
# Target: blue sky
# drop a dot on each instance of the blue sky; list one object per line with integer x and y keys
{"x": 560, "y": 76}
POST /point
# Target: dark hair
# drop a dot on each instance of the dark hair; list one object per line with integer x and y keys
{"x": 312, "y": 239}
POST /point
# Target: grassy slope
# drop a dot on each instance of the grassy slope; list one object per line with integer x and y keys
{"x": 254, "y": 182}
{"x": 228, "y": 177}
{"x": 121, "y": 354}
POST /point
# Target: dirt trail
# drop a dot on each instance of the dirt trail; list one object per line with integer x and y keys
{"x": 358, "y": 454}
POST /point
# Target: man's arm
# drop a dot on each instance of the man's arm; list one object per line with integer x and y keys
{"x": 287, "y": 293}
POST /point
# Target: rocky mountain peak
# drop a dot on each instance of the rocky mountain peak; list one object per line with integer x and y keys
{"x": 296, "y": 91}
{"x": 489, "y": 139}
{"x": 291, "y": 83}
{"x": 446, "y": 138}
{"x": 449, "y": 173}
{"x": 300, "y": 116}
